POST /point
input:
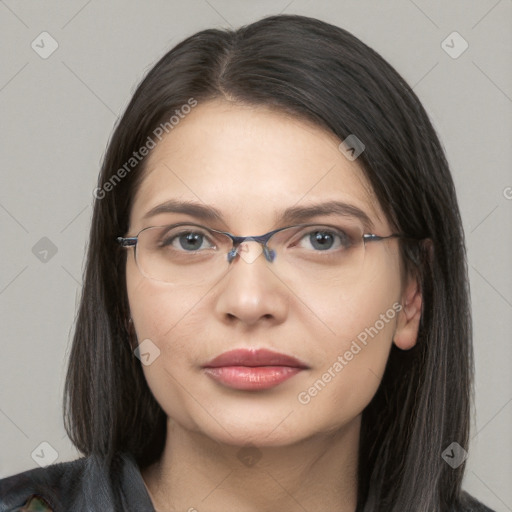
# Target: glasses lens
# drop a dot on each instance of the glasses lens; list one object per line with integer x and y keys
{"x": 331, "y": 254}
{"x": 182, "y": 254}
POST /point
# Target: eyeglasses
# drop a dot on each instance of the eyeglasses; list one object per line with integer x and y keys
{"x": 192, "y": 254}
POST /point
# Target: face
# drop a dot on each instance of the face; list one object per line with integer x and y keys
{"x": 251, "y": 164}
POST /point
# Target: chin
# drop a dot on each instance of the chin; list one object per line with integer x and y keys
{"x": 261, "y": 436}
{"x": 266, "y": 428}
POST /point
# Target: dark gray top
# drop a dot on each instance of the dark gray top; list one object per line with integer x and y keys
{"x": 88, "y": 485}
{"x": 85, "y": 484}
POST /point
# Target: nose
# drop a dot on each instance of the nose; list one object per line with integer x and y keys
{"x": 251, "y": 292}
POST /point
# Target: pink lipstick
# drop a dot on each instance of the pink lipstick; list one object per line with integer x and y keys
{"x": 253, "y": 369}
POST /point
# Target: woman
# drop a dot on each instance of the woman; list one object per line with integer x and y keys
{"x": 275, "y": 309}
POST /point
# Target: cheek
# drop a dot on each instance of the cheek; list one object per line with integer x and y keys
{"x": 351, "y": 360}
{"x": 355, "y": 311}
{"x": 155, "y": 307}
{"x": 166, "y": 318}
{"x": 173, "y": 319}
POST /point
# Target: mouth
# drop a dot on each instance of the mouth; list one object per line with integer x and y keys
{"x": 253, "y": 369}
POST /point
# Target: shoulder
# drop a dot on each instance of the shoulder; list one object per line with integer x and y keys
{"x": 37, "y": 488}
{"x": 86, "y": 484}
{"x": 470, "y": 504}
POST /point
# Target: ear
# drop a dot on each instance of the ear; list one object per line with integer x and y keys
{"x": 406, "y": 333}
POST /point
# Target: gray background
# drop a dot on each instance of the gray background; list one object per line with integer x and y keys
{"x": 58, "y": 114}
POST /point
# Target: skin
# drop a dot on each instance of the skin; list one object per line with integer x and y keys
{"x": 251, "y": 163}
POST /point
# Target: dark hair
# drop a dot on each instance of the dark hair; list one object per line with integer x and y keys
{"x": 319, "y": 72}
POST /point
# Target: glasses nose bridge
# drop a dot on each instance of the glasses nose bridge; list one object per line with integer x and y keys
{"x": 260, "y": 239}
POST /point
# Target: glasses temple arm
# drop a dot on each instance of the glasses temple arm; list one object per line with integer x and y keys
{"x": 127, "y": 242}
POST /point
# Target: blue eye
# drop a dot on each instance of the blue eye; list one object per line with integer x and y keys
{"x": 191, "y": 241}
{"x": 186, "y": 240}
{"x": 322, "y": 239}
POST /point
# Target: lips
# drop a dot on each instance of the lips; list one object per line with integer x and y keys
{"x": 252, "y": 358}
{"x": 253, "y": 369}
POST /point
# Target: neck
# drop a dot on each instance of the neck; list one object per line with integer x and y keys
{"x": 318, "y": 474}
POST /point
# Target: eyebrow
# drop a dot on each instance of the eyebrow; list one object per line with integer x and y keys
{"x": 293, "y": 214}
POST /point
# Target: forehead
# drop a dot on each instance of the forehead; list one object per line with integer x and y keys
{"x": 250, "y": 163}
